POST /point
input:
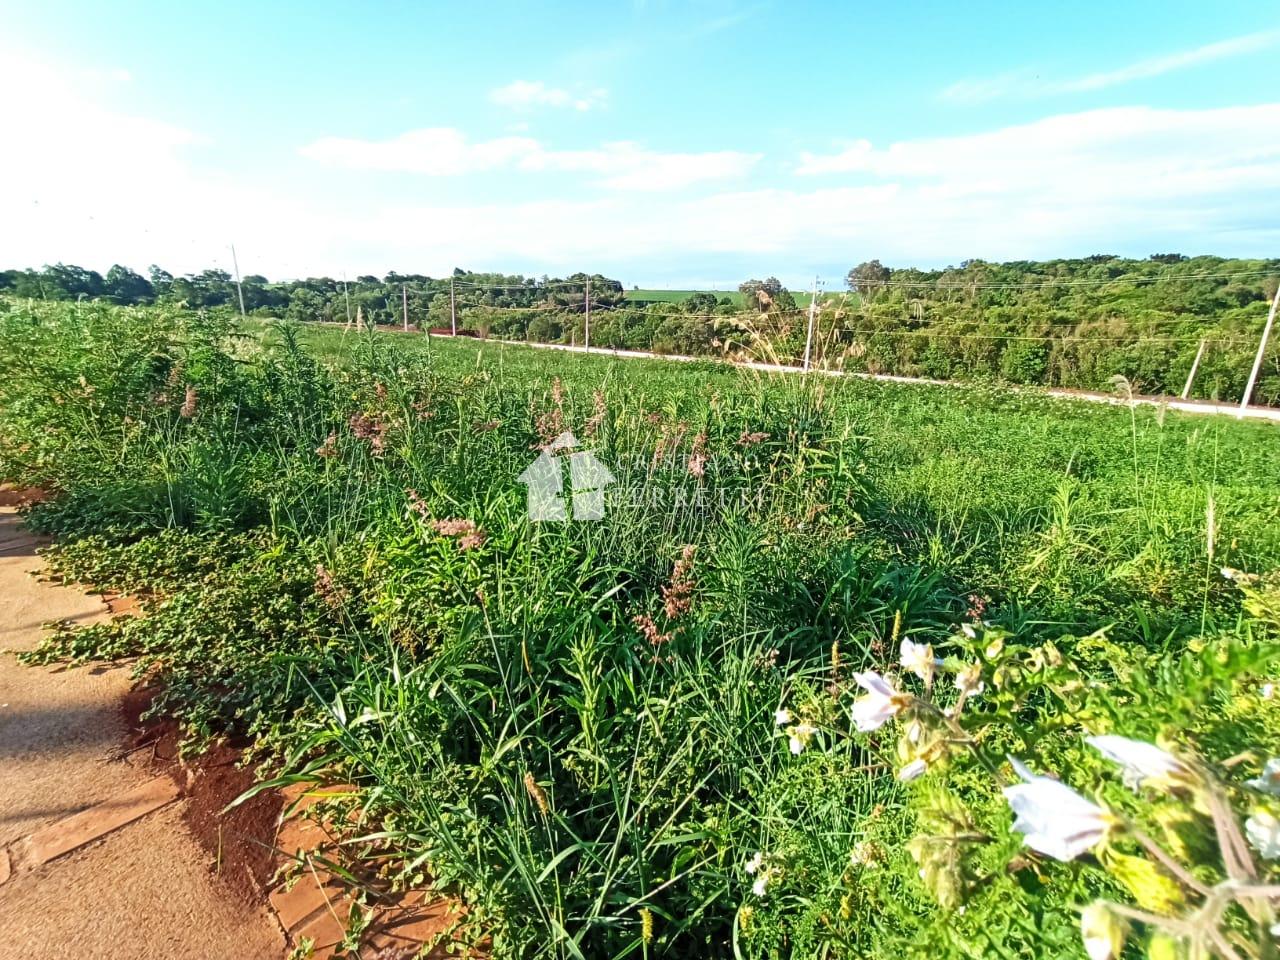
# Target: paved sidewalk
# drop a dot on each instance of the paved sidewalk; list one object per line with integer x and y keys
{"x": 143, "y": 890}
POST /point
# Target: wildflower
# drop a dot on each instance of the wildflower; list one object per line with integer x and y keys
{"x": 1267, "y": 691}
{"x": 800, "y": 735}
{"x": 754, "y": 864}
{"x": 867, "y": 853}
{"x": 330, "y": 446}
{"x": 918, "y": 658}
{"x": 472, "y": 540}
{"x": 649, "y": 630}
{"x": 1055, "y": 820}
{"x": 913, "y": 770}
{"x": 417, "y": 504}
{"x": 782, "y": 717}
{"x": 698, "y": 455}
{"x": 1103, "y": 932}
{"x": 750, "y": 439}
{"x": 598, "y": 413}
{"x": 371, "y": 429}
{"x": 188, "y": 408}
{"x": 977, "y": 607}
{"x": 1142, "y": 762}
{"x": 969, "y": 680}
{"x": 646, "y": 925}
{"x": 1263, "y": 831}
{"x": 761, "y": 884}
{"x": 453, "y": 527}
{"x": 676, "y": 596}
{"x": 881, "y": 704}
{"x": 969, "y": 631}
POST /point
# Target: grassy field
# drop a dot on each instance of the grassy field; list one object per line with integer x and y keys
{"x": 658, "y": 733}
{"x": 802, "y": 297}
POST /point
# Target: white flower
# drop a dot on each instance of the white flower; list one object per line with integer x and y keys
{"x": 912, "y": 770}
{"x": 1264, "y": 833}
{"x": 800, "y": 735}
{"x": 752, "y": 865}
{"x": 918, "y": 658}
{"x": 761, "y": 884}
{"x": 1142, "y": 761}
{"x": 782, "y": 717}
{"x": 915, "y": 731}
{"x": 969, "y": 680}
{"x": 1268, "y": 690}
{"x": 1056, "y": 820}
{"x": 881, "y": 704}
{"x": 968, "y": 630}
{"x": 1269, "y": 781}
{"x": 1103, "y": 932}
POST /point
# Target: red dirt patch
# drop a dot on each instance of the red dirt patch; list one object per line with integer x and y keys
{"x": 11, "y": 496}
{"x": 240, "y": 842}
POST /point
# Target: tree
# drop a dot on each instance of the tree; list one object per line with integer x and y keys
{"x": 867, "y": 277}
{"x": 761, "y": 294}
{"x": 125, "y": 286}
{"x": 701, "y": 303}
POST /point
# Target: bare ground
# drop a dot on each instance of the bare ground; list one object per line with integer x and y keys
{"x": 145, "y": 890}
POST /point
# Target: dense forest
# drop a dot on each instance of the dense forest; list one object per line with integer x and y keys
{"x": 1074, "y": 323}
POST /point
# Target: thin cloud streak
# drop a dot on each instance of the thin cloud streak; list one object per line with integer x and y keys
{"x": 1026, "y": 84}
{"x": 529, "y": 94}
{"x": 444, "y": 151}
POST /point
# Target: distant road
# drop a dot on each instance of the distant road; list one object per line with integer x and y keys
{"x": 1173, "y": 403}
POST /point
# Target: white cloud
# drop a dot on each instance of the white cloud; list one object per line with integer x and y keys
{"x": 527, "y": 94}
{"x": 96, "y": 184}
{"x": 1024, "y": 83}
{"x": 443, "y": 151}
{"x": 435, "y": 151}
{"x": 1104, "y": 181}
{"x": 1123, "y": 150}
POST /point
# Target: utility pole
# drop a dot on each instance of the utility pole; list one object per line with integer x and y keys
{"x": 453, "y": 308}
{"x": 239, "y": 289}
{"x": 808, "y": 339}
{"x": 1195, "y": 365}
{"x": 1262, "y": 351}
{"x": 586, "y": 327}
{"x": 404, "y": 299}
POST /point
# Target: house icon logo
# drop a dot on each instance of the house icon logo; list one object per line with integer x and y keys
{"x": 544, "y": 479}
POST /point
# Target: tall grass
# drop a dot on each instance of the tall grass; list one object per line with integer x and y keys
{"x": 571, "y": 725}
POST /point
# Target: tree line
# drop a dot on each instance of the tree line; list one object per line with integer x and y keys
{"x": 1067, "y": 322}
{"x": 377, "y": 300}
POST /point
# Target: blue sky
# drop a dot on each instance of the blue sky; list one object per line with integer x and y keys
{"x": 662, "y": 143}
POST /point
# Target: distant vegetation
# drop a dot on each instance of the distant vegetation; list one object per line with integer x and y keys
{"x": 1069, "y": 323}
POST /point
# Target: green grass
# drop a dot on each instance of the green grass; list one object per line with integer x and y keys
{"x": 802, "y": 297}
{"x": 571, "y": 726}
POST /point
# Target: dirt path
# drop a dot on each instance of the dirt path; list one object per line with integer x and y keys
{"x": 143, "y": 890}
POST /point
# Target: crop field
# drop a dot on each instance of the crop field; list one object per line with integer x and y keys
{"x": 800, "y": 667}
